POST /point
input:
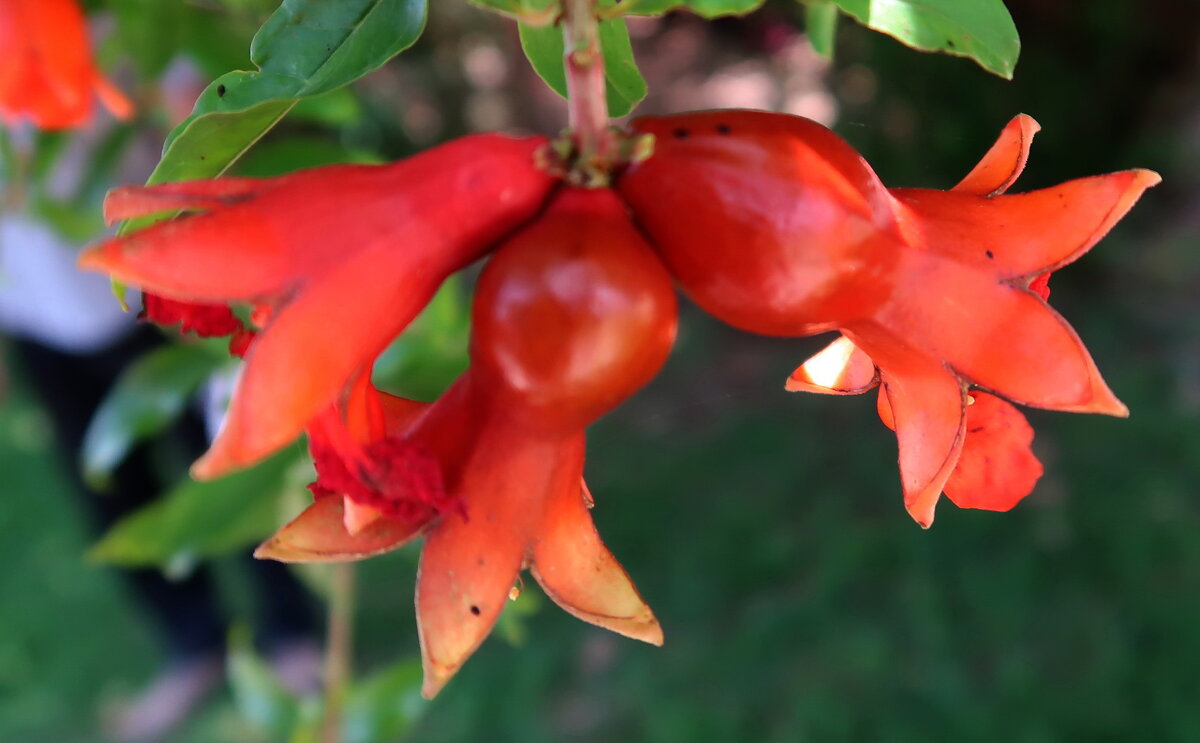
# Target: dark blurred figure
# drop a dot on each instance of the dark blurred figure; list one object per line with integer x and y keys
{"x": 72, "y": 342}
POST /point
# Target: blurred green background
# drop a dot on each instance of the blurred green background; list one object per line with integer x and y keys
{"x": 800, "y": 602}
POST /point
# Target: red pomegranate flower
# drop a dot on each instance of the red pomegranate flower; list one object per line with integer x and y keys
{"x": 47, "y": 75}
{"x": 571, "y": 316}
{"x": 788, "y": 232}
{"x": 339, "y": 258}
{"x": 770, "y": 222}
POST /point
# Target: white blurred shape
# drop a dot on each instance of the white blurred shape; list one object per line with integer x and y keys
{"x": 44, "y": 298}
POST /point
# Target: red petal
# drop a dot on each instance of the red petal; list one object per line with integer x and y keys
{"x": 997, "y": 468}
{"x": 997, "y": 336}
{"x": 313, "y": 344}
{"x": 470, "y": 563}
{"x": 927, "y": 404}
{"x": 128, "y": 202}
{"x": 319, "y": 535}
{"x": 1018, "y": 236}
{"x": 1005, "y": 160}
{"x": 841, "y": 368}
{"x": 117, "y": 103}
{"x": 205, "y": 320}
{"x": 578, "y": 572}
{"x": 233, "y": 255}
{"x": 49, "y": 75}
{"x": 443, "y": 207}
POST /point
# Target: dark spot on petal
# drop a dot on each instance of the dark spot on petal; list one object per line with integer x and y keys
{"x": 977, "y": 430}
{"x": 220, "y": 91}
{"x": 723, "y": 129}
{"x": 475, "y": 610}
{"x": 989, "y": 254}
{"x": 682, "y": 134}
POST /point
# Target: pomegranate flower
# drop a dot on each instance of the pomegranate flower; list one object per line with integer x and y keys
{"x": 338, "y": 260}
{"x": 789, "y": 232}
{"x": 507, "y": 490}
{"x": 47, "y": 75}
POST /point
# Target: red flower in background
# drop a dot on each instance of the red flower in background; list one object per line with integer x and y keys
{"x": 47, "y": 75}
{"x": 788, "y": 232}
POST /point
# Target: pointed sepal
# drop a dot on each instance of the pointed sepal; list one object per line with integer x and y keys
{"x": 319, "y": 534}
{"x": 577, "y": 571}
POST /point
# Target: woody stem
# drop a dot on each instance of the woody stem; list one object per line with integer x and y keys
{"x": 587, "y": 100}
{"x": 338, "y": 649}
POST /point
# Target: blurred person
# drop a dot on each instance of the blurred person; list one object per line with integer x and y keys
{"x": 72, "y": 341}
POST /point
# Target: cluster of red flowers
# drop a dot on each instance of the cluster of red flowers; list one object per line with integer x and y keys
{"x": 769, "y": 222}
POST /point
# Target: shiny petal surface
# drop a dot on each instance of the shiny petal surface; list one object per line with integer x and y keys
{"x": 997, "y": 468}
{"x": 1003, "y": 163}
{"x": 841, "y": 368}
{"x": 319, "y": 534}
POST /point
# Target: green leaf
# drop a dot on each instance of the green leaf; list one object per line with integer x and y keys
{"x": 385, "y": 706}
{"x": 544, "y": 47}
{"x": 147, "y": 397}
{"x": 706, "y": 8}
{"x": 257, "y": 692}
{"x": 204, "y": 519}
{"x": 981, "y": 30}
{"x": 305, "y": 48}
{"x": 820, "y": 24}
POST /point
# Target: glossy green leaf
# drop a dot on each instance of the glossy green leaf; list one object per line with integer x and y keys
{"x": 305, "y": 48}
{"x": 820, "y": 25}
{"x": 706, "y": 8}
{"x": 203, "y": 519}
{"x": 625, "y": 86}
{"x": 981, "y": 30}
{"x": 148, "y": 396}
{"x": 382, "y": 708}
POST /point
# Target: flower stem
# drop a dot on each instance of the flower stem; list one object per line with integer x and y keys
{"x": 587, "y": 100}
{"x": 339, "y": 636}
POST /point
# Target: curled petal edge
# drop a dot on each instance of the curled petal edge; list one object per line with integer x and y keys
{"x": 841, "y": 368}
{"x": 1002, "y": 164}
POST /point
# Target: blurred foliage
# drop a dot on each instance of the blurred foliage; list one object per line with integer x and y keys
{"x": 203, "y": 519}
{"x": 151, "y": 393}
